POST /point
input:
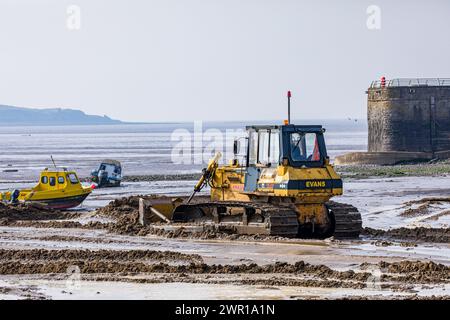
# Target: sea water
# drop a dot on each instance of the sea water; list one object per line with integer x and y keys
{"x": 143, "y": 149}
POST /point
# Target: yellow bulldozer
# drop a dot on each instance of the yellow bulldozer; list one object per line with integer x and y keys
{"x": 281, "y": 188}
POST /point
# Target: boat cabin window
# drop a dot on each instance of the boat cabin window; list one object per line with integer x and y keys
{"x": 61, "y": 180}
{"x": 52, "y": 181}
{"x": 72, "y": 178}
{"x": 304, "y": 147}
{"x": 44, "y": 179}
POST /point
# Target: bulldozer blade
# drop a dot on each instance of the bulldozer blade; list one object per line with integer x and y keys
{"x": 157, "y": 209}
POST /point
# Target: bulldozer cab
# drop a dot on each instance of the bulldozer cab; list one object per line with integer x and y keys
{"x": 298, "y": 146}
{"x": 295, "y": 146}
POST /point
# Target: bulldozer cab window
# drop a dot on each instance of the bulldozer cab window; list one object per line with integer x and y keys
{"x": 264, "y": 147}
{"x": 274, "y": 149}
{"x": 304, "y": 147}
{"x": 52, "y": 181}
{"x": 253, "y": 147}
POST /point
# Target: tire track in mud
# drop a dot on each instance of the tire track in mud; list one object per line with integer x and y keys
{"x": 270, "y": 280}
{"x": 61, "y": 238}
{"x": 94, "y": 255}
{"x": 41, "y": 261}
{"x": 279, "y": 274}
{"x": 96, "y": 266}
{"x": 436, "y": 235}
{"x": 143, "y": 261}
{"x": 416, "y": 272}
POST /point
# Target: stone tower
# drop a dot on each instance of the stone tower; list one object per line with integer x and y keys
{"x": 408, "y": 121}
{"x": 411, "y": 115}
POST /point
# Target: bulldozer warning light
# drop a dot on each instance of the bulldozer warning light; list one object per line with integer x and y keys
{"x": 289, "y": 107}
{"x": 286, "y": 122}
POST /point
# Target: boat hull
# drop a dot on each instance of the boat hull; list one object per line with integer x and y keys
{"x": 61, "y": 203}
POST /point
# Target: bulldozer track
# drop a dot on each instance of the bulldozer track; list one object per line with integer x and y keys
{"x": 264, "y": 218}
{"x": 347, "y": 220}
{"x": 259, "y": 218}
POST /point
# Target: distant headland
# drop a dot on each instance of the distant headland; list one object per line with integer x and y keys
{"x": 11, "y": 116}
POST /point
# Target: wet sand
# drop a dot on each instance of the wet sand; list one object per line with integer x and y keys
{"x": 83, "y": 254}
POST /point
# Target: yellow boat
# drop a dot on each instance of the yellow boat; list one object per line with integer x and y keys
{"x": 57, "y": 189}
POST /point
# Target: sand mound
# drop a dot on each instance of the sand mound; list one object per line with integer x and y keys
{"x": 94, "y": 255}
{"x": 30, "y": 211}
{"x": 441, "y": 235}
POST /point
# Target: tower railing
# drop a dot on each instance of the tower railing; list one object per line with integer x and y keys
{"x": 412, "y": 82}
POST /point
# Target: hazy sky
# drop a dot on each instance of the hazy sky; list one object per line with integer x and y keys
{"x": 172, "y": 60}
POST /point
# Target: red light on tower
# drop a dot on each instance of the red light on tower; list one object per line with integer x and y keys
{"x": 289, "y": 94}
{"x": 383, "y": 82}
